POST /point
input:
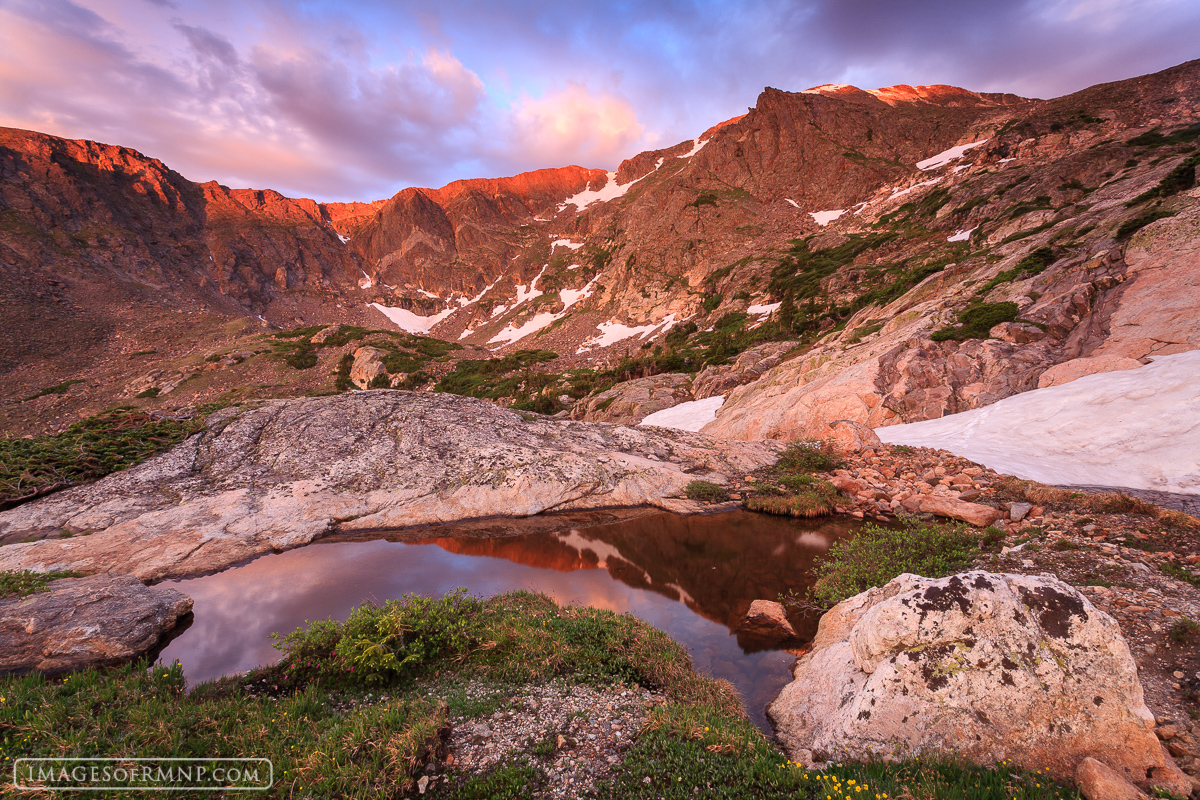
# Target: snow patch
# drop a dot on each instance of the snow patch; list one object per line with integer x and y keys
{"x": 430, "y": 295}
{"x": 498, "y": 310}
{"x": 512, "y": 333}
{"x": 690, "y": 416}
{"x": 697, "y": 146}
{"x": 610, "y": 191}
{"x": 565, "y": 243}
{"x": 961, "y": 235}
{"x": 570, "y": 297}
{"x": 524, "y": 294}
{"x": 1005, "y": 160}
{"x": 366, "y": 282}
{"x": 466, "y": 332}
{"x": 573, "y": 266}
{"x": 613, "y": 332}
{"x": 901, "y": 192}
{"x": 767, "y": 308}
{"x": 823, "y": 218}
{"x": 410, "y": 322}
{"x": 793, "y": 202}
{"x": 946, "y": 156}
{"x": 345, "y": 239}
{"x": 1135, "y": 428}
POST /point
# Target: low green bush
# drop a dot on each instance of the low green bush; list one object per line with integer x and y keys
{"x": 808, "y": 456}
{"x": 875, "y": 555}
{"x": 706, "y": 491}
{"x": 977, "y": 321}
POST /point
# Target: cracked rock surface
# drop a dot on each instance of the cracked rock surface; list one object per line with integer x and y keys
{"x": 278, "y": 475}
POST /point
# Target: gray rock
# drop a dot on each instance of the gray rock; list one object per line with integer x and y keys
{"x": 86, "y": 622}
{"x": 276, "y": 476}
{"x": 966, "y": 665}
{"x": 368, "y": 364}
{"x": 1017, "y": 511}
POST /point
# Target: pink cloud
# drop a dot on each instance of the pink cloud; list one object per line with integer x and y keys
{"x": 574, "y": 124}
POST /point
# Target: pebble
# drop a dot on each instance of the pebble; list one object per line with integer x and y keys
{"x": 590, "y": 729}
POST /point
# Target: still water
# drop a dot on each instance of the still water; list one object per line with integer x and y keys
{"x": 693, "y": 577}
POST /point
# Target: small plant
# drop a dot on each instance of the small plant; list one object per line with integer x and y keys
{"x": 1179, "y": 573}
{"x": 59, "y": 388}
{"x": 1062, "y": 545}
{"x": 705, "y": 491}
{"x": 1131, "y": 226}
{"x": 23, "y": 583}
{"x": 303, "y": 357}
{"x": 342, "y": 380}
{"x": 1182, "y": 630}
{"x": 809, "y": 496}
{"x": 148, "y": 393}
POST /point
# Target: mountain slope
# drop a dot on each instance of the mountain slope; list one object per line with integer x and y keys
{"x": 850, "y": 224}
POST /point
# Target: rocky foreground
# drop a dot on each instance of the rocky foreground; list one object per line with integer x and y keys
{"x": 275, "y": 476}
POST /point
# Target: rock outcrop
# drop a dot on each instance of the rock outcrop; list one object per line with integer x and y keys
{"x": 632, "y": 401}
{"x": 992, "y": 667}
{"x": 278, "y": 475}
{"x": 86, "y": 622}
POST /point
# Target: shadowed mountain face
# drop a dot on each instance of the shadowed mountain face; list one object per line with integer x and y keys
{"x": 883, "y": 214}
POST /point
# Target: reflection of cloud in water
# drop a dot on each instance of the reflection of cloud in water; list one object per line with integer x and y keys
{"x": 237, "y": 610}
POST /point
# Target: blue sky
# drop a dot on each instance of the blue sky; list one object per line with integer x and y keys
{"x": 341, "y": 101}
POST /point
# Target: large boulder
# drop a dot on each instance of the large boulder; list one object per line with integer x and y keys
{"x": 991, "y": 667}
{"x": 632, "y": 401}
{"x": 749, "y": 365}
{"x": 276, "y": 476}
{"x": 86, "y": 622}
{"x": 368, "y": 365}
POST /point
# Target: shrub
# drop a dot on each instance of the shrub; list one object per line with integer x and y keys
{"x": 705, "y": 491}
{"x": 342, "y": 382}
{"x": 808, "y": 456}
{"x": 1131, "y": 226}
{"x": 303, "y": 357}
{"x": 1182, "y": 630}
{"x": 876, "y": 554}
{"x": 87, "y": 451}
{"x": 977, "y": 321}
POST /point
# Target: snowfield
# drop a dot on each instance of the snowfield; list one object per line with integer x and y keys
{"x": 946, "y": 156}
{"x": 823, "y": 218}
{"x": 690, "y": 416}
{"x": 1138, "y": 429}
{"x": 410, "y": 322}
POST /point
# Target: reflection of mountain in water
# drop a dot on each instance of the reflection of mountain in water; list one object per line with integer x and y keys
{"x": 717, "y": 564}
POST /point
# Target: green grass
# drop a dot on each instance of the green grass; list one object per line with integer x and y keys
{"x": 58, "y": 388}
{"x": 333, "y": 731}
{"x": 22, "y": 583}
{"x": 877, "y": 554}
{"x": 706, "y": 491}
{"x": 1179, "y": 179}
{"x": 1178, "y": 573}
{"x": 88, "y": 450}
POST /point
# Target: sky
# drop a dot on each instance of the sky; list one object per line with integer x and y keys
{"x": 357, "y": 100}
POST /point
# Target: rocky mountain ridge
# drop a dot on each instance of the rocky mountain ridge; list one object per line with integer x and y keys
{"x": 878, "y": 216}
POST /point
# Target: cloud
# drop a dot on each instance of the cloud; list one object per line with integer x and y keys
{"x": 354, "y": 101}
{"x": 574, "y": 125}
